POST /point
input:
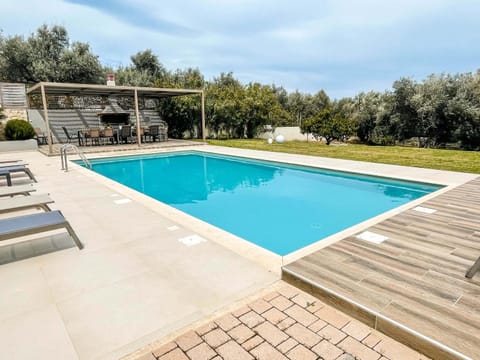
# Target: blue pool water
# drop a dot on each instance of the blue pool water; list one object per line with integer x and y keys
{"x": 279, "y": 207}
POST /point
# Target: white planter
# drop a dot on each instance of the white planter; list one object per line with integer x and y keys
{"x": 18, "y": 145}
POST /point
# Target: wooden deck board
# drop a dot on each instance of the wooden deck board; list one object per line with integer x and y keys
{"x": 418, "y": 274}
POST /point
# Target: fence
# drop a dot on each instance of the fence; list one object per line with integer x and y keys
{"x": 12, "y": 96}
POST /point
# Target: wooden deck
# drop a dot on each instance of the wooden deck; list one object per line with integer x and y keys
{"x": 121, "y": 147}
{"x": 416, "y": 277}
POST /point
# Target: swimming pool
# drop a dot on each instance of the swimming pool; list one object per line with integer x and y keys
{"x": 279, "y": 207}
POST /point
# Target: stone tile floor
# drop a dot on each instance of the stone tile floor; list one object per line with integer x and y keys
{"x": 284, "y": 324}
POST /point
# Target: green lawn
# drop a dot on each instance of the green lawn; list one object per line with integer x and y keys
{"x": 455, "y": 160}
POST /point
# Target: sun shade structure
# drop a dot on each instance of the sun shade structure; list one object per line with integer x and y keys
{"x": 45, "y": 89}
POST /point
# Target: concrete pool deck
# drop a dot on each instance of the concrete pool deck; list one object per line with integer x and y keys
{"x": 134, "y": 282}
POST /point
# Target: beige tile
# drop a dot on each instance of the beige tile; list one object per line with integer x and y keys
{"x": 271, "y": 333}
{"x": 394, "y": 350}
{"x": 88, "y": 271}
{"x": 176, "y": 354}
{"x": 241, "y": 333}
{"x": 227, "y": 322}
{"x": 274, "y": 316}
{"x": 260, "y": 306}
{"x": 303, "y": 335}
{"x": 357, "y": 349}
{"x": 332, "y": 334}
{"x": 332, "y": 316}
{"x": 103, "y": 320}
{"x": 301, "y": 315}
{"x": 216, "y": 337}
{"x": 327, "y": 350}
{"x": 188, "y": 340}
{"x": 357, "y": 330}
{"x": 252, "y": 343}
{"x": 281, "y": 303}
{"x": 202, "y": 330}
{"x": 23, "y": 288}
{"x": 159, "y": 351}
{"x": 232, "y": 351}
{"x": 300, "y": 352}
{"x": 372, "y": 339}
{"x": 317, "y": 325}
{"x": 37, "y": 334}
{"x": 287, "y": 345}
{"x": 251, "y": 319}
{"x": 201, "y": 352}
{"x": 265, "y": 351}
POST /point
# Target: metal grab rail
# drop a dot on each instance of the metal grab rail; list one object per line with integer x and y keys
{"x": 63, "y": 156}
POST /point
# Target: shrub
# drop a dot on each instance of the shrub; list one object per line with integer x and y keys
{"x": 18, "y": 129}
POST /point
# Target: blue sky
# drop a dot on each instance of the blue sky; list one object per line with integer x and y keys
{"x": 341, "y": 46}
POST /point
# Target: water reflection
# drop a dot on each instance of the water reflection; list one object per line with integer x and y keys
{"x": 187, "y": 179}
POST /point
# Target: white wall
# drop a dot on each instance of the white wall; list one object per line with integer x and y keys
{"x": 289, "y": 132}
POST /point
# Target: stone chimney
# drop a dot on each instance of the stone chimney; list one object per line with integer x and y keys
{"x": 110, "y": 79}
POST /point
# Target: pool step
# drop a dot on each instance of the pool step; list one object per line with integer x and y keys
{"x": 372, "y": 317}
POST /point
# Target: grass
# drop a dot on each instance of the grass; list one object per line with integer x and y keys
{"x": 454, "y": 160}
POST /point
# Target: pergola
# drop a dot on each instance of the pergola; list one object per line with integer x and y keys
{"x": 70, "y": 89}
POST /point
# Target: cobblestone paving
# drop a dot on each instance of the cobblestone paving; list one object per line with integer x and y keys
{"x": 285, "y": 324}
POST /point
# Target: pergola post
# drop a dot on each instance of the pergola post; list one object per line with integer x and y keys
{"x": 137, "y": 116}
{"x": 204, "y": 136}
{"x": 47, "y": 123}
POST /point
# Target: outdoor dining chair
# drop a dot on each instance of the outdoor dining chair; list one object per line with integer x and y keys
{"x": 69, "y": 137}
{"x": 93, "y": 135}
{"x": 107, "y": 134}
{"x": 126, "y": 133}
{"x": 40, "y": 136}
{"x": 154, "y": 132}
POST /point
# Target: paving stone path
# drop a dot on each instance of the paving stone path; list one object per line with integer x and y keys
{"x": 285, "y": 324}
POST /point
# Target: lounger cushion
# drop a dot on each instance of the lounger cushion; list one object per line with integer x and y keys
{"x": 12, "y": 168}
{"x": 26, "y": 202}
{"x": 26, "y": 222}
{"x": 16, "y": 190}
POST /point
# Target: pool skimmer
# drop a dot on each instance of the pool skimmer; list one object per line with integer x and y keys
{"x": 192, "y": 240}
{"x": 424, "y": 210}
{"x": 122, "y": 201}
{"x": 371, "y": 237}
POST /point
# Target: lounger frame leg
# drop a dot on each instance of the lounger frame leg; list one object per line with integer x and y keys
{"x": 29, "y": 173}
{"x": 74, "y": 236}
{"x": 9, "y": 179}
{"x": 475, "y": 267}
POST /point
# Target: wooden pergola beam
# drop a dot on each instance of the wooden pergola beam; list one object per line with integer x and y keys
{"x": 53, "y": 88}
{"x": 204, "y": 137}
{"x": 137, "y": 118}
{"x": 47, "y": 123}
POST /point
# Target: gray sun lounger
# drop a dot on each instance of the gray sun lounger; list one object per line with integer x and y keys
{"x": 25, "y": 202}
{"x": 16, "y": 168}
{"x": 7, "y": 176}
{"x": 34, "y": 224}
{"x": 12, "y": 162}
{"x": 17, "y": 190}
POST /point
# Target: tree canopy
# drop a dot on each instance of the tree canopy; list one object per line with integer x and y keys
{"x": 441, "y": 110}
{"x": 47, "y": 55}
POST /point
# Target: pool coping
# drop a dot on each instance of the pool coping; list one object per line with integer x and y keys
{"x": 259, "y": 255}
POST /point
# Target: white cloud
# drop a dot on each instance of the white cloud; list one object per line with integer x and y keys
{"x": 343, "y": 46}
